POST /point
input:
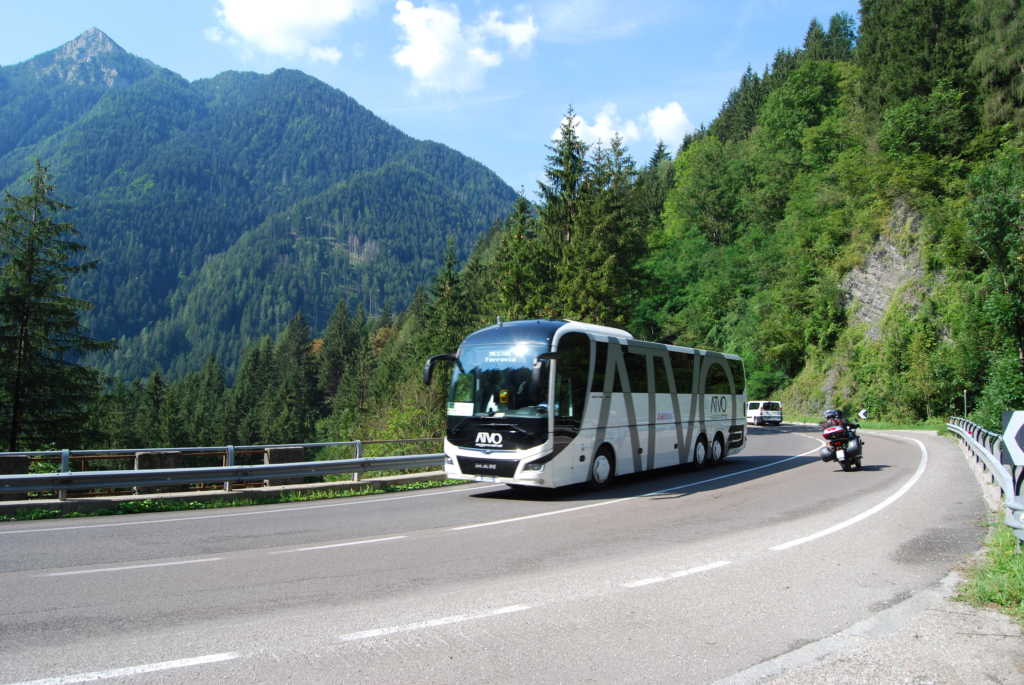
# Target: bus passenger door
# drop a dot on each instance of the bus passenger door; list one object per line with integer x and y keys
{"x": 570, "y": 388}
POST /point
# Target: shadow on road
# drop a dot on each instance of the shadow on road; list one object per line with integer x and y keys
{"x": 676, "y": 481}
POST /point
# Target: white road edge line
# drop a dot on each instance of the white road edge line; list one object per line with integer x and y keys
{"x": 132, "y": 670}
{"x": 631, "y": 497}
{"x": 433, "y": 623}
{"x": 132, "y": 567}
{"x": 921, "y": 466}
{"x": 262, "y": 512}
{"x": 676, "y": 574}
{"x": 339, "y": 544}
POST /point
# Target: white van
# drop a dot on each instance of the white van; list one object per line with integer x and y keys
{"x": 764, "y": 412}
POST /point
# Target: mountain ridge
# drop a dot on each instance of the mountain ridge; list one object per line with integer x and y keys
{"x": 164, "y": 174}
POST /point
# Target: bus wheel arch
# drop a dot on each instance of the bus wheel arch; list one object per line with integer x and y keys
{"x": 602, "y": 466}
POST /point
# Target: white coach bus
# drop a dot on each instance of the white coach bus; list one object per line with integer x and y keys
{"x": 552, "y": 403}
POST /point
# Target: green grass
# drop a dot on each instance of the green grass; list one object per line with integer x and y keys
{"x": 998, "y": 580}
{"x": 144, "y": 506}
{"x": 871, "y": 424}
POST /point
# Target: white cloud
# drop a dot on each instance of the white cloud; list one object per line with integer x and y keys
{"x": 606, "y": 126}
{"x": 519, "y": 36}
{"x": 295, "y": 29}
{"x": 443, "y": 54}
{"x": 668, "y": 124}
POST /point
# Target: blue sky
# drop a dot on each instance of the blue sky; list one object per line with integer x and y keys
{"x": 489, "y": 78}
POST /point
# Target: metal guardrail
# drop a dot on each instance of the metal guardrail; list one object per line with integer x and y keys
{"x": 988, "y": 449}
{"x": 228, "y": 473}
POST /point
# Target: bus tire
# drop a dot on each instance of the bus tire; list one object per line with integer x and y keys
{"x": 717, "y": 450}
{"x": 700, "y": 452}
{"x": 602, "y": 468}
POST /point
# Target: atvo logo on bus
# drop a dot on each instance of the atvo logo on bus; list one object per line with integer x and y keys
{"x": 489, "y": 439}
{"x": 718, "y": 404}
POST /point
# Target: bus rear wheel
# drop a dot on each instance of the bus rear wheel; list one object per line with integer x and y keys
{"x": 717, "y": 451}
{"x": 602, "y": 469}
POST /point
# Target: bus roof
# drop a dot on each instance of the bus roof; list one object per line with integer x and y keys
{"x": 544, "y": 331}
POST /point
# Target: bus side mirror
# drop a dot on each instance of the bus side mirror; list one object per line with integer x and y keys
{"x": 428, "y": 368}
{"x": 539, "y": 364}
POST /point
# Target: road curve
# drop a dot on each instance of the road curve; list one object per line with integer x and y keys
{"x": 678, "y": 576}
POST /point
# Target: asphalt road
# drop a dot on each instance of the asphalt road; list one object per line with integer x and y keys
{"x": 682, "y": 576}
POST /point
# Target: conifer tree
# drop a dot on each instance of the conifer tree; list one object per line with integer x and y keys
{"x": 998, "y": 61}
{"x": 523, "y": 278}
{"x": 339, "y": 342}
{"x": 292, "y": 403}
{"x": 151, "y": 419}
{"x": 815, "y": 41}
{"x": 45, "y": 393}
{"x": 565, "y": 173}
{"x": 907, "y": 46}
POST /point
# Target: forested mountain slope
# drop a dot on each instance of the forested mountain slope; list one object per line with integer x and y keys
{"x": 245, "y": 197}
{"x": 851, "y": 223}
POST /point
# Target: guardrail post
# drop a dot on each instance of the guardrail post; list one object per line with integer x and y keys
{"x": 65, "y": 467}
{"x": 230, "y": 457}
{"x": 359, "y": 455}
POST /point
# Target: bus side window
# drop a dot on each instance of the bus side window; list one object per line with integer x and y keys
{"x": 738, "y": 378}
{"x": 571, "y": 381}
{"x": 682, "y": 369}
{"x": 636, "y": 368}
{"x": 660, "y": 377}
{"x": 600, "y": 362}
{"x": 717, "y": 382}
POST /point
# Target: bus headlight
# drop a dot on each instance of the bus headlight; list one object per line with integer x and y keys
{"x": 538, "y": 464}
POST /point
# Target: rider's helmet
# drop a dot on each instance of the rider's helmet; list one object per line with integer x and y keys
{"x": 832, "y": 414}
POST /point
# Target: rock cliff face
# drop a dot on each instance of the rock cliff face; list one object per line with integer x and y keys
{"x": 870, "y": 288}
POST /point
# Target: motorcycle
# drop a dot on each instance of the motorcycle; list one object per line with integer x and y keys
{"x": 842, "y": 444}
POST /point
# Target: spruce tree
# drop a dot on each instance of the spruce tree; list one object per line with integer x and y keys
{"x": 45, "y": 393}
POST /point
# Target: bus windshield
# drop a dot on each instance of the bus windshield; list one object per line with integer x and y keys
{"x": 499, "y": 379}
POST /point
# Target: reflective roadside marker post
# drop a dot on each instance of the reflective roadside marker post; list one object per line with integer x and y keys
{"x": 1013, "y": 437}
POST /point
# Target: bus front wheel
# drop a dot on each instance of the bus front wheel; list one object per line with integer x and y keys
{"x": 700, "y": 452}
{"x": 602, "y": 469}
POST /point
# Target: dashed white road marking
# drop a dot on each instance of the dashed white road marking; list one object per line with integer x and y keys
{"x": 339, "y": 544}
{"x": 132, "y": 670}
{"x": 133, "y": 567}
{"x": 921, "y": 466}
{"x": 433, "y": 623}
{"x": 676, "y": 574}
{"x": 605, "y": 503}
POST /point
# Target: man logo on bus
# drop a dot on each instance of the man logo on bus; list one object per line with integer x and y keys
{"x": 489, "y": 439}
{"x": 718, "y": 405}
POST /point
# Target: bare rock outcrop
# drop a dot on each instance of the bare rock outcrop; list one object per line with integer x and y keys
{"x": 869, "y": 289}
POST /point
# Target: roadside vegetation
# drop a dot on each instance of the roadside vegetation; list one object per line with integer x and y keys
{"x": 998, "y": 579}
{"x": 148, "y": 506}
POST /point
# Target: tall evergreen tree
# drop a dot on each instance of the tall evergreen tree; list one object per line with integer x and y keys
{"x": 998, "y": 61}
{"x": 841, "y": 37}
{"x": 907, "y": 46}
{"x": 340, "y": 340}
{"x": 815, "y": 41}
{"x": 45, "y": 393}
{"x": 565, "y": 172}
{"x": 292, "y": 404}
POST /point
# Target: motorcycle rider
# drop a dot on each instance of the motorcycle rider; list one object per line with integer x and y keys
{"x": 834, "y": 417}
